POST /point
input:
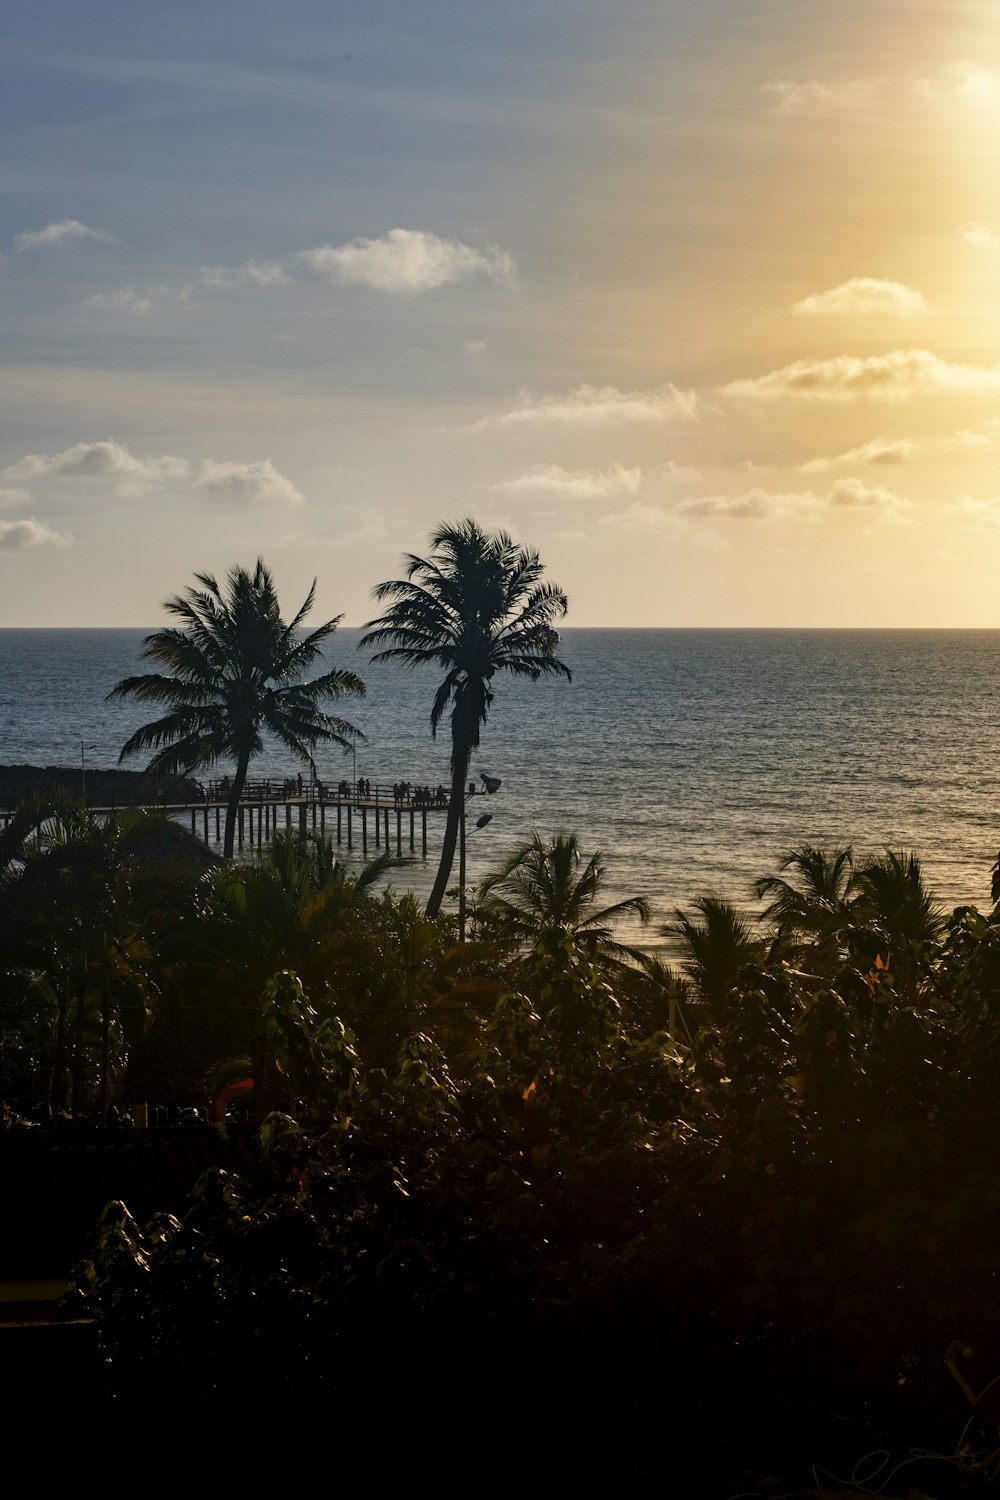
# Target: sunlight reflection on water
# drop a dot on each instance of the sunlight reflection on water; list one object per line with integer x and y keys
{"x": 693, "y": 759}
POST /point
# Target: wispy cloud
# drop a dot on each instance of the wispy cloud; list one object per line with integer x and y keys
{"x": 877, "y": 451}
{"x": 898, "y": 376}
{"x": 639, "y": 517}
{"x": 802, "y": 505}
{"x": 980, "y": 236}
{"x": 864, "y": 295}
{"x": 125, "y": 299}
{"x": 243, "y": 484}
{"x": 889, "y": 451}
{"x": 812, "y": 96}
{"x": 753, "y": 505}
{"x": 101, "y": 460}
{"x": 590, "y": 405}
{"x": 852, "y": 492}
{"x": 985, "y": 513}
{"x": 22, "y": 536}
{"x": 986, "y": 435}
{"x": 407, "y": 261}
{"x": 250, "y": 273}
{"x": 62, "y": 233}
{"x": 961, "y": 83}
{"x": 573, "y": 484}
{"x": 11, "y": 498}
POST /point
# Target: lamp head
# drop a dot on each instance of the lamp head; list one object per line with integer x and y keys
{"x": 491, "y": 783}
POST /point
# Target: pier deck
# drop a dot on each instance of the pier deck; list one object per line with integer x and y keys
{"x": 384, "y": 816}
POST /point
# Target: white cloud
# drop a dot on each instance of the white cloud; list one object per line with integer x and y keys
{"x": 884, "y": 452}
{"x": 877, "y": 451}
{"x": 961, "y": 82}
{"x": 810, "y": 96}
{"x": 407, "y": 261}
{"x": 753, "y": 505}
{"x": 639, "y": 517}
{"x": 61, "y": 233}
{"x": 897, "y": 376}
{"x": 22, "y": 536}
{"x": 978, "y": 235}
{"x": 803, "y": 505}
{"x": 101, "y": 460}
{"x": 11, "y": 498}
{"x": 596, "y": 406}
{"x": 125, "y": 299}
{"x": 257, "y": 483}
{"x": 475, "y": 346}
{"x": 852, "y": 492}
{"x": 864, "y": 295}
{"x": 676, "y": 473}
{"x": 986, "y": 436}
{"x": 251, "y": 273}
{"x": 573, "y": 484}
{"x": 980, "y": 512}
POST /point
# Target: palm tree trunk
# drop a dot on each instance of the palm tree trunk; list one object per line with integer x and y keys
{"x": 456, "y": 802}
{"x": 104, "y": 1098}
{"x": 232, "y": 806}
{"x": 79, "y": 1037}
{"x": 56, "y": 1093}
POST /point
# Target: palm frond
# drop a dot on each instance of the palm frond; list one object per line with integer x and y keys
{"x": 233, "y": 667}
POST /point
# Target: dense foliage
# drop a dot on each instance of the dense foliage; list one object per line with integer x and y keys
{"x": 679, "y": 1205}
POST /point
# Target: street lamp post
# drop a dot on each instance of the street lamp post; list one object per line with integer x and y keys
{"x": 491, "y": 784}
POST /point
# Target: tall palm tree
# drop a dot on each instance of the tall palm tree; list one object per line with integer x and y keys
{"x": 476, "y": 606}
{"x": 542, "y": 885}
{"x": 235, "y": 668}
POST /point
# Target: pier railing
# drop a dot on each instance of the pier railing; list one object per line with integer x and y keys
{"x": 360, "y": 793}
{"x": 363, "y": 814}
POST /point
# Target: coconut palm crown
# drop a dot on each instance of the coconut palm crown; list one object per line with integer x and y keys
{"x": 477, "y": 605}
{"x": 715, "y": 949}
{"x": 234, "y": 669}
{"x": 811, "y": 902}
{"x": 546, "y": 883}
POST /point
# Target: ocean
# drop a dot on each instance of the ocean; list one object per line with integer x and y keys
{"x": 694, "y": 759}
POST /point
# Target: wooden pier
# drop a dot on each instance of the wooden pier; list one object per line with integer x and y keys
{"x": 379, "y": 820}
{"x": 385, "y": 816}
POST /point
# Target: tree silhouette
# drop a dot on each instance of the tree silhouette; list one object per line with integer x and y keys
{"x": 476, "y": 606}
{"x": 545, "y": 883}
{"x": 235, "y": 668}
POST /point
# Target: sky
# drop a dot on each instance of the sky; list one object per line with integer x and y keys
{"x": 702, "y": 302}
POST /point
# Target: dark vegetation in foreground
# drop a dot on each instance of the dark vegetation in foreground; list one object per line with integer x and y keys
{"x": 500, "y": 1205}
